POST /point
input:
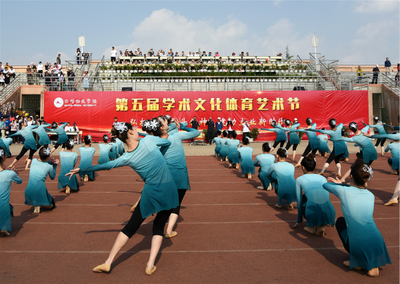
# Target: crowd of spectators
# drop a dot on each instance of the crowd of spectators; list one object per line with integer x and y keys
{"x": 7, "y": 74}
{"x": 127, "y": 56}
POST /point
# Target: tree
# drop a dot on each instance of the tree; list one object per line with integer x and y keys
{"x": 288, "y": 56}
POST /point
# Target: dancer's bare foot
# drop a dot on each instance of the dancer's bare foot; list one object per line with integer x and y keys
{"x": 374, "y": 272}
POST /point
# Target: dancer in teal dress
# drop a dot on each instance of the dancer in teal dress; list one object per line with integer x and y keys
{"x": 29, "y": 144}
{"x": 313, "y": 141}
{"x": 233, "y": 156}
{"x": 6, "y": 209}
{"x": 105, "y": 149}
{"x": 113, "y": 154}
{"x": 87, "y": 153}
{"x": 280, "y": 134}
{"x": 394, "y": 148}
{"x": 246, "y": 159}
{"x": 367, "y": 149}
{"x": 120, "y": 145}
{"x": 43, "y": 139}
{"x": 294, "y": 138}
{"x": 36, "y": 193}
{"x": 68, "y": 161}
{"x": 5, "y": 144}
{"x": 176, "y": 161}
{"x": 224, "y": 152}
{"x": 357, "y": 230}
{"x": 339, "y": 147}
{"x": 313, "y": 203}
{"x": 217, "y": 141}
{"x": 380, "y": 128}
{"x": 282, "y": 174}
{"x": 264, "y": 161}
{"x": 62, "y": 135}
{"x": 323, "y": 144}
{"x": 159, "y": 194}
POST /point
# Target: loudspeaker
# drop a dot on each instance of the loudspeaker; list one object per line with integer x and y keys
{"x": 126, "y": 89}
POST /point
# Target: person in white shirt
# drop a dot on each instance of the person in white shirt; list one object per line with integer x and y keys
{"x": 12, "y": 72}
{"x": 246, "y": 129}
{"x": 113, "y": 55}
{"x": 40, "y": 69}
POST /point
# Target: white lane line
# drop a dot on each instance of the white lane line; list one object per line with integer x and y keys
{"x": 181, "y": 223}
{"x": 186, "y": 251}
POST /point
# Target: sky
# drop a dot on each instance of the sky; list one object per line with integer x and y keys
{"x": 353, "y": 32}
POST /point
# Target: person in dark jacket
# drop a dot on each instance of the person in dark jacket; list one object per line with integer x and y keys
{"x": 210, "y": 130}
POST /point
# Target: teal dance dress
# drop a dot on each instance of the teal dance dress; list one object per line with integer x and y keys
{"x": 41, "y": 132}
{"x": 160, "y": 191}
{"x": 62, "y": 135}
{"x": 233, "y": 155}
{"x": 87, "y": 154}
{"x": 218, "y": 146}
{"x": 394, "y": 148}
{"x": 26, "y": 132}
{"x": 280, "y": 133}
{"x": 175, "y": 156}
{"x": 104, "y": 153}
{"x": 323, "y": 143}
{"x": 120, "y": 145}
{"x": 6, "y": 209}
{"x": 379, "y": 127}
{"x": 113, "y": 154}
{"x": 367, "y": 247}
{"x": 68, "y": 161}
{"x": 36, "y": 193}
{"x": 319, "y": 210}
{"x": 311, "y": 135}
{"x": 264, "y": 161}
{"x": 5, "y": 144}
{"x": 224, "y": 152}
{"x": 339, "y": 147}
{"x": 246, "y": 160}
{"x": 367, "y": 148}
{"x": 282, "y": 173}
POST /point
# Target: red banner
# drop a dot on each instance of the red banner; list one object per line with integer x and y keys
{"x": 94, "y": 112}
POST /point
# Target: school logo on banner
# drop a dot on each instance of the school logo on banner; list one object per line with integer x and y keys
{"x": 58, "y": 102}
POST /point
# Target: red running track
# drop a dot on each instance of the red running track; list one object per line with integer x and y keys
{"x": 229, "y": 232}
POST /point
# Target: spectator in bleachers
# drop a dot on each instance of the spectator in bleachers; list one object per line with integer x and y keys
{"x": 71, "y": 79}
{"x": 183, "y": 53}
{"x": 113, "y": 55}
{"x": 58, "y": 60}
{"x": 12, "y": 73}
{"x": 2, "y": 78}
{"x": 61, "y": 80}
{"x": 375, "y": 75}
{"x": 47, "y": 80}
{"x": 388, "y": 65}
{"x": 359, "y": 73}
{"x": 29, "y": 75}
{"x": 203, "y": 69}
{"x": 150, "y": 52}
{"x": 397, "y": 79}
{"x": 6, "y": 73}
{"x": 85, "y": 57}
{"x": 185, "y": 71}
{"x": 40, "y": 69}
{"x": 46, "y": 67}
{"x": 78, "y": 56}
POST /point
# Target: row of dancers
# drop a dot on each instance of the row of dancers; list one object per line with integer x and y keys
{"x": 311, "y": 190}
{"x": 159, "y": 160}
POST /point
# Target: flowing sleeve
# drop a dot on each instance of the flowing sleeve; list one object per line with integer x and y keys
{"x": 296, "y": 125}
{"x": 388, "y": 148}
{"x": 395, "y": 137}
{"x": 143, "y": 134}
{"x": 52, "y": 171}
{"x": 334, "y": 188}
{"x": 351, "y": 140}
{"x": 15, "y": 178}
{"x": 269, "y": 129}
{"x": 162, "y": 143}
{"x": 189, "y": 134}
{"x": 172, "y": 127}
{"x": 15, "y": 134}
{"x": 106, "y": 166}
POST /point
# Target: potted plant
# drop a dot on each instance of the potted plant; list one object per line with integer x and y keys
{"x": 254, "y": 132}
